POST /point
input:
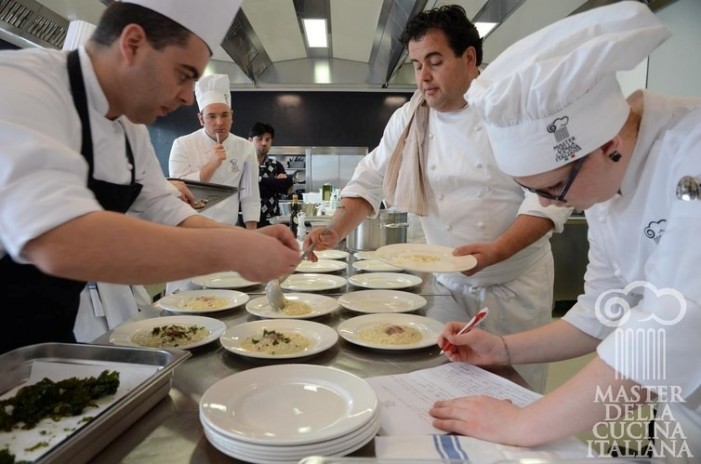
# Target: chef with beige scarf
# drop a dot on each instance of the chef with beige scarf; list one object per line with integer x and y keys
{"x": 435, "y": 160}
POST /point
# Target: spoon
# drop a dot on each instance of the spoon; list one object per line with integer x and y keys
{"x": 273, "y": 289}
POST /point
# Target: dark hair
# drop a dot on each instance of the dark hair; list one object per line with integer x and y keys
{"x": 261, "y": 128}
{"x": 160, "y": 30}
{"x": 452, "y": 20}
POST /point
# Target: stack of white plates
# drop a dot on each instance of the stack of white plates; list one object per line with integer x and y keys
{"x": 281, "y": 414}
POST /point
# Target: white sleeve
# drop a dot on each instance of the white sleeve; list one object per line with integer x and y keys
{"x": 250, "y": 204}
{"x": 180, "y": 163}
{"x": 369, "y": 175}
{"x": 531, "y": 207}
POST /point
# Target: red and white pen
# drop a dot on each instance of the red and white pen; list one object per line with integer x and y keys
{"x": 479, "y": 317}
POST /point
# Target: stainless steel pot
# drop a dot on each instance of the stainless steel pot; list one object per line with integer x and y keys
{"x": 385, "y": 229}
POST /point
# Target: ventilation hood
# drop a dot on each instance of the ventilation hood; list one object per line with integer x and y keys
{"x": 265, "y": 47}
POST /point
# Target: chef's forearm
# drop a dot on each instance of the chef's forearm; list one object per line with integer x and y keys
{"x": 524, "y": 231}
{"x": 354, "y": 211}
{"x": 111, "y": 247}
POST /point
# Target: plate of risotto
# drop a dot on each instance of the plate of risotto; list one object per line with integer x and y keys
{"x": 202, "y": 301}
{"x": 279, "y": 339}
{"x": 422, "y": 257}
{"x": 299, "y": 306}
{"x": 390, "y": 331}
{"x": 179, "y": 332}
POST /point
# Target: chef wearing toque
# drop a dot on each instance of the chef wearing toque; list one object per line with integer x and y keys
{"x": 75, "y": 156}
{"x": 213, "y": 154}
{"x": 560, "y": 125}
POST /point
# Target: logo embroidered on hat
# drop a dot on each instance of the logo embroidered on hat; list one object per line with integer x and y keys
{"x": 565, "y": 147}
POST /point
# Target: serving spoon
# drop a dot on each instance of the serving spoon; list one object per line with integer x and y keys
{"x": 273, "y": 289}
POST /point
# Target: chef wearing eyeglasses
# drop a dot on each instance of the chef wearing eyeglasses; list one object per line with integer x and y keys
{"x": 620, "y": 160}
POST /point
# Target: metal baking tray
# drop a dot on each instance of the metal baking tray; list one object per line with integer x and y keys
{"x": 84, "y": 443}
{"x": 212, "y": 193}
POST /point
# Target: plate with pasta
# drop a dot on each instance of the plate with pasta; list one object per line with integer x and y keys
{"x": 178, "y": 332}
{"x": 422, "y": 257}
{"x": 391, "y": 331}
{"x": 278, "y": 338}
{"x": 202, "y": 301}
{"x": 299, "y": 306}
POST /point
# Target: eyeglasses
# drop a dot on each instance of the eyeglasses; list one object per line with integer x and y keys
{"x": 576, "y": 166}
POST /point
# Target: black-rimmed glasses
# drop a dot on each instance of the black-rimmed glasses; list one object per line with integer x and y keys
{"x": 576, "y": 166}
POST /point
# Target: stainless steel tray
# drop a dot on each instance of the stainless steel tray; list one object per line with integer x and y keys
{"x": 81, "y": 445}
{"x": 212, "y": 193}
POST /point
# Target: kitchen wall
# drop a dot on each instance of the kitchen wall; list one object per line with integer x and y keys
{"x": 675, "y": 66}
{"x": 351, "y": 119}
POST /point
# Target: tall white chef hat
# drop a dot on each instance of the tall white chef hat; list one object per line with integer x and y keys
{"x": 553, "y": 96}
{"x": 212, "y": 88}
{"x": 208, "y": 20}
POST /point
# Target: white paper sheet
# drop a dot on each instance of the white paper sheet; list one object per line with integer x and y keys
{"x": 406, "y": 398}
{"x": 30, "y": 445}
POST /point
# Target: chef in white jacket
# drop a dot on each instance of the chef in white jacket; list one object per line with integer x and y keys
{"x": 577, "y": 140}
{"x": 75, "y": 155}
{"x": 464, "y": 201}
{"x": 213, "y": 154}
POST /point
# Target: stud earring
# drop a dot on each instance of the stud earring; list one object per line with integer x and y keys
{"x": 615, "y": 157}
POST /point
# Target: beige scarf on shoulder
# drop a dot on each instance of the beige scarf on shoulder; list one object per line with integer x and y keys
{"x": 403, "y": 186}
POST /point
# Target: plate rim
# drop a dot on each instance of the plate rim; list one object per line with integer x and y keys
{"x": 215, "y": 332}
{"x": 194, "y": 279}
{"x": 298, "y": 275}
{"x": 302, "y": 316}
{"x": 376, "y": 274}
{"x": 343, "y": 257}
{"x": 354, "y": 340}
{"x": 311, "y": 371}
{"x": 337, "y": 266}
{"x": 235, "y": 294}
{"x": 382, "y": 255}
{"x": 296, "y": 323}
{"x": 389, "y": 290}
{"x": 358, "y": 265}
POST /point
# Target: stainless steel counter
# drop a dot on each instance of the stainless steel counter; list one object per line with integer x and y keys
{"x": 171, "y": 432}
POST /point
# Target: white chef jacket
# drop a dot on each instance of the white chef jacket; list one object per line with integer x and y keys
{"x": 646, "y": 234}
{"x": 43, "y": 176}
{"x": 469, "y": 201}
{"x": 240, "y": 169}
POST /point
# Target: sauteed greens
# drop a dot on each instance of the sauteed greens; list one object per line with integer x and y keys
{"x": 46, "y": 398}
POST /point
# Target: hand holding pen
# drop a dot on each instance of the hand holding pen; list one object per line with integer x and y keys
{"x": 479, "y": 317}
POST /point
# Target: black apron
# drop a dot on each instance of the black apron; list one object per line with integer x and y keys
{"x": 40, "y": 308}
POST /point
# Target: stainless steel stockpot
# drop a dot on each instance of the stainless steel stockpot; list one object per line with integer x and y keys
{"x": 387, "y": 228}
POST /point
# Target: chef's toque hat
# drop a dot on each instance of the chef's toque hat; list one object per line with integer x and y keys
{"x": 208, "y": 20}
{"x": 212, "y": 88}
{"x": 553, "y": 96}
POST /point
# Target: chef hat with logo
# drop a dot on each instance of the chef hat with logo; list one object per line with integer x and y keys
{"x": 553, "y": 96}
{"x": 208, "y": 20}
{"x": 212, "y": 88}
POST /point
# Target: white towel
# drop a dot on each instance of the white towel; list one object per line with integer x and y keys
{"x": 459, "y": 448}
{"x": 403, "y": 186}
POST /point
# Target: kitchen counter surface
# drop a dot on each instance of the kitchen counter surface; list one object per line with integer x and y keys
{"x": 171, "y": 432}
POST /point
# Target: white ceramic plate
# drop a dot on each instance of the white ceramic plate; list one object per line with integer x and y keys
{"x": 331, "y": 254}
{"x": 223, "y": 280}
{"x": 321, "y": 337}
{"x": 122, "y": 335}
{"x": 425, "y": 258}
{"x": 323, "y": 265}
{"x": 382, "y": 301}
{"x": 429, "y": 328}
{"x": 365, "y": 255}
{"x": 320, "y": 305}
{"x": 177, "y": 302}
{"x": 289, "y": 404}
{"x": 375, "y": 265}
{"x": 385, "y": 280}
{"x": 313, "y": 282}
